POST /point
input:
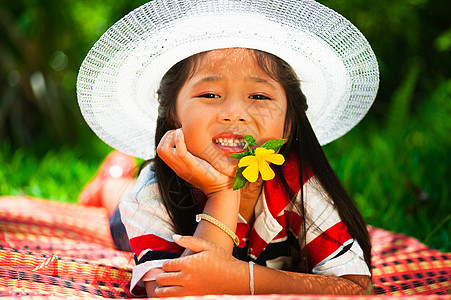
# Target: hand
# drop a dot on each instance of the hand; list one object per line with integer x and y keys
{"x": 209, "y": 271}
{"x": 200, "y": 173}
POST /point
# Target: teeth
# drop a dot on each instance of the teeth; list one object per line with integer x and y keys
{"x": 230, "y": 142}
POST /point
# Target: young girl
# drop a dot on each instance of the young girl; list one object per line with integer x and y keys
{"x": 190, "y": 231}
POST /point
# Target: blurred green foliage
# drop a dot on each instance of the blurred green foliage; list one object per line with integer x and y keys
{"x": 57, "y": 175}
{"x": 395, "y": 164}
{"x": 397, "y": 171}
{"x": 42, "y": 46}
{"x": 44, "y": 42}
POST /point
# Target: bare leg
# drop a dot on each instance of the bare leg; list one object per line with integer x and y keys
{"x": 113, "y": 191}
{"x": 113, "y": 180}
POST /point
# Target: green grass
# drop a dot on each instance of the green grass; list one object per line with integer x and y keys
{"x": 59, "y": 174}
{"x": 396, "y": 169}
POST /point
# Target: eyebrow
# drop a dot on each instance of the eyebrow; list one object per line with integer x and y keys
{"x": 262, "y": 80}
{"x": 209, "y": 78}
{"x": 212, "y": 78}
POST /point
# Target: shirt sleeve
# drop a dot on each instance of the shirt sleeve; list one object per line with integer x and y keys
{"x": 330, "y": 248}
{"x": 148, "y": 227}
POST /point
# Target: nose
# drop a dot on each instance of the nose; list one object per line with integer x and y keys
{"x": 233, "y": 110}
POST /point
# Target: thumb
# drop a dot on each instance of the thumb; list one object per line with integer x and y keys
{"x": 193, "y": 243}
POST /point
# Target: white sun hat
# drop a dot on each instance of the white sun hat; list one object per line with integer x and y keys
{"x": 119, "y": 77}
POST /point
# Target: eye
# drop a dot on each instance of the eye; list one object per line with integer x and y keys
{"x": 259, "y": 97}
{"x": 209, "y": 96}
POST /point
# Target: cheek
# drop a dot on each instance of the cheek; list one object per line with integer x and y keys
{"x": 194, "y": 131}
{"x": 270, "y": 116}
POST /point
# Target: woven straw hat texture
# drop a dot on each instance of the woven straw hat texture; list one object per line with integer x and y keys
{"x": 119, "y": 77}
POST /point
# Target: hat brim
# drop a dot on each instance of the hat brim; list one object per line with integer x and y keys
{"x": 118, "y": 79}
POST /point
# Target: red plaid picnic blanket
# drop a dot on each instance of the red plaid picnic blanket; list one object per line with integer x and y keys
{"x": 49, "y": 248}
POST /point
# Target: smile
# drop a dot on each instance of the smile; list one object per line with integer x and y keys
{"x": 230, "y": 142}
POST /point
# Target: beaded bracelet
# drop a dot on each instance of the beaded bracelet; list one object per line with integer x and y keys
{"x": 221, "y": 225}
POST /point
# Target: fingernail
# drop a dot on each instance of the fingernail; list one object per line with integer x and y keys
{"x": 176, "y": 237}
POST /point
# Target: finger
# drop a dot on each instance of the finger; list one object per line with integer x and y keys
{"x": 182, "y": 153}
{"x": 175, "y": 154}
{"x": 163, "y": 145}
{"x": 167, "y": 142}
{"x": 170, "y": 291}
{"x": 193, "y": 243}
{"x": 180, "y": 141}
{"x": 173, "y": 265}
{"x": 167, "y": 152}
{"x": 168, "y": 278}
{"x": 190, "y": 161}
{"x": 193, "y": 163}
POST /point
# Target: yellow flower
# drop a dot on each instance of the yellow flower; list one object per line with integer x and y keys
{"x": 259, "y": 163}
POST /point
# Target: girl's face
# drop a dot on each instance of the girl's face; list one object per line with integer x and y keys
{"x": 227, "y": 97}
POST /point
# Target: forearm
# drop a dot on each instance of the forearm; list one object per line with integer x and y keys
{"x": 236, "y": 280}
{"x": 271, "y": 281}
{"x": 223, "y": 206}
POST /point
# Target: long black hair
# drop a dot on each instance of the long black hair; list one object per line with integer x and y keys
{"x": 180, "y": 198}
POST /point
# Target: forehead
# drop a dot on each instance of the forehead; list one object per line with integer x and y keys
{"x": 232, "y": 60}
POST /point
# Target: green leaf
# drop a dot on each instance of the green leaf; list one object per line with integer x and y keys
{"x": 239, "y": 180}
{"x": 240, "y": 155}
{"x": 274, "y": 144}
{"x": 250, "y": 139}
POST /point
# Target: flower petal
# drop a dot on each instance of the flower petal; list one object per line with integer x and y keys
{"x": 247, "y": 160}
{"x": 251, "y": 172}
{"x": 259, "y": 152}
{"x": 265, "y": 170}
{"x": 277, "y": 159}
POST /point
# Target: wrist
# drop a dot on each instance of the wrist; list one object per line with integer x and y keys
{"x": 218, "y": 189}
{"x": 237, "y": 276}
{"x": 223, "y": 202}
{"x": 228, "y": 194}
{"x": 220, "y": 225}
{"x": 223, "y": 206}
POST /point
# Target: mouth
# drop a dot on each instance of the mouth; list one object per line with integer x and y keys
{"x": 229, "y": 142}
